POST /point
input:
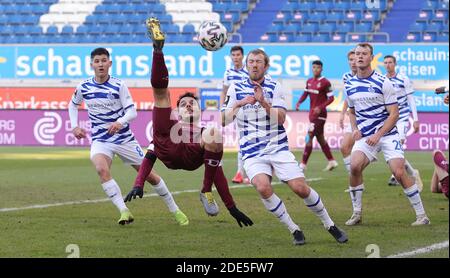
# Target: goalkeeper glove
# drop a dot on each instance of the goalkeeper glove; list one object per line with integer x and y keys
{"x": 240, "y": 217}
{"x": 136, "y": 191}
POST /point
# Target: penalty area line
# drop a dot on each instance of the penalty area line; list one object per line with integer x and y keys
{"x": 95, "y": 201}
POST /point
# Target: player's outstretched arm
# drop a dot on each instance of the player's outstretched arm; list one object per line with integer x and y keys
{"x": 240, "y": 217}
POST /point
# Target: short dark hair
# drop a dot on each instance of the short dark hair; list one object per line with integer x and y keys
{"x": 392, "y": 57}
{"x": 99, "y": 51}
{"x": 351, "y": 52}
{"x": 317, "y": 62}
{"x": 237, "y": 48}
{"x": 187, "y": 94}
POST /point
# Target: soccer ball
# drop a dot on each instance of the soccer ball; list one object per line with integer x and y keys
{"x": 212, "y": 35}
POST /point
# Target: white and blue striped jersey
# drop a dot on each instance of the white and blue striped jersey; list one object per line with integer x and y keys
{"x": 347, "y": 76}
{"x": 369, "y": 97}
{"x": 232, "y": 75}
{"x": 105, "y": 103}
{"x": 403, "y": 87}
{"x": 258, "y": 135}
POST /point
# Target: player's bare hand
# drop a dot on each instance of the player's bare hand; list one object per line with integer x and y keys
{"x": 240, "y": 217}
{"x": 259, "y": 95}
{"x": 79, "y": 132}
{"x": 247, "y": 100}
{"x": 416, "y": 126}
{"x": 446, "y": 99}
{"x": 373, "y": 140}
{"x": 356, "y": 135}
{"x": 136, "y": 191}
{"x": 114, "y": 127}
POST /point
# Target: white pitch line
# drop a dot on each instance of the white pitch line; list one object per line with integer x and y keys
{"x": 424, "y": 250}
{"x": 107, "y": 199}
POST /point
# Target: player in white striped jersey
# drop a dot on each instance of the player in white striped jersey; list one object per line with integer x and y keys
{"x": 111, "y": 109}
{"x": 373, "y": 106}
{"x": 347, "y": 140}
{"x": 259, "y": 107}
{"x": 406, "y": 105}
{"x": 237, "y": 73}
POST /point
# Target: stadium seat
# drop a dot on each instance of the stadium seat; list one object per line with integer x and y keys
{"x": 442, "y": 37}
{"x": 327, "y": 28}
{"x": 416, "y": 27}
{"x": 429, "y": 37}
{"x": 433, "y": 27}
{"x": 320, "y": 38}
{"x": 338, "y": 37}
{"x": 268, "y": 38}
{"x": 334, "y": 16}
{"x": 290, "y": 29}
{"x": 310, "y": 27}
{"x": 285, "y": 38}
{"x": 303, "y": 37}
{"x": 363, "y": 27}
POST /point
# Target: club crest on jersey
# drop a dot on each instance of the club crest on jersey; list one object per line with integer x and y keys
{"x": 318, "y": 85}
{"x": 110, "y": 95}
{"x": 371, "y": 89}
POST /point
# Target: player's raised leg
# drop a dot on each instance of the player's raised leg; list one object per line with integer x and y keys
{"x": 159, "y": 74}
{"x": 102, "y": 164}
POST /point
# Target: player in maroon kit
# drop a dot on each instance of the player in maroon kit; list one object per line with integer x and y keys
{"x": 320, "y": 93}
{"x": 182, "y": 144}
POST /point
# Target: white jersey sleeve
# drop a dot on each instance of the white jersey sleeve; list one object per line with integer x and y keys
{"x": 125, "y": 97}
{"x": 226, "y": 82}
{"x": 279, "y": 99}
{"x": 408, "y": 85}
{"x": 230, "y": 99}
{"x": 77, "y": 97}
{"x": 389, "y": 93}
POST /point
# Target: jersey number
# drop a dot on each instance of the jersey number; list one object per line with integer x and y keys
{"x": 398, "y": 146}
{"x": 139, "y": 151}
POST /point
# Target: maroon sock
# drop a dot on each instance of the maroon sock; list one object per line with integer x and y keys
{"x": 440, "y": 161}
{"x": 326, "y": 150}
{"x": 145, "y": 168}
{"x": 160, "y": 75}
{"x": 221, "y": 184}
{"x": 306, "y": 154}
{"x": 212, "y": 162}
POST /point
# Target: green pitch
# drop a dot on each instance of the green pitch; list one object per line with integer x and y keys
{"x": 30, "y": 177}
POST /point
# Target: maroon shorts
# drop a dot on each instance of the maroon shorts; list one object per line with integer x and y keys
{"x": 318, "y": 126}
{"x": 186, "y": 156}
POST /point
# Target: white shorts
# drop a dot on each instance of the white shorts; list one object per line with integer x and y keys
{"x": 402, "y": 128}
{"x": 283, "y": 163}
{"x": 389, "y": 145}
{"x": 130, "y": 153}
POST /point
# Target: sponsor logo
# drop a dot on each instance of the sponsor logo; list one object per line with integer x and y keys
{"x": 45, "y": 128}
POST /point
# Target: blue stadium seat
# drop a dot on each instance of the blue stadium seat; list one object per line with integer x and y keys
{"x": 52, "y": 30}
{"x": 416, "y": 27}
{"x": 321, "y": 38}
{"x": 173, "y": 29}
{"x": 327, "y": 28}
{"x": 429, "y": 37}
{"x": 341, "y": 6}
{"x": 363, "y": 27}
{"x": 159, "y": 9}
{"x": 442, "y": 37}
{"x": 291, "y": 7}
{"x": 291, "y": 28}
{"x": 424, "y": 16}
{"x": 283, "y": 17}
{"x": 337, "y": 37}
{"x": 433, "y": 27}
{"x": 67, "y": 29}
{"x": 112, "y": 29}
{"x": 285, "y": 38}
{"x": 228, "y": 25}
{"x": 317, "y": 16}
{"x": 441, "y": 14}
{"x": 334, "y": 16}
{"x": 126, "y": 29}
{"x": 358, "y": 5}
{"x": 323, "y": 6}
{"x": 353, "y": 15}
{"x": 299, "y": 17}
{"x": 26, "y": 10}
{"x": 268, "y": 38}
{"x": 430, "y": 5}
{"x": 188, "y": 29}
{"x": 40, "y": 9}
{"x": 303, "y": 37}
{"x": 120, "y": 19}
{"x": 310, "y": 27}
{"x": 82, "y": 29}
{"x": 306, "y": 6}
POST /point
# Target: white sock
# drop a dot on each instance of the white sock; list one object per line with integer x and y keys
{"x": 112, "y": 190}
{"x": 240, "y": 163}
{"x": 356, "y": 196}
{"x": 414, "y": 198}
{"x": 347, "y": 163}
{"x": 165, "y": 194}
{"x": 314, "y": 203}
{"x": 277, "y": 208}
{"x": 409, "y": 168}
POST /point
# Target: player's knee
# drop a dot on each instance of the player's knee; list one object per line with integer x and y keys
{"x": 345, "y": 150}
{"x": 355, "y": 169}
{"x": 398, "y": 173}
{"x": 102, "y": 171}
